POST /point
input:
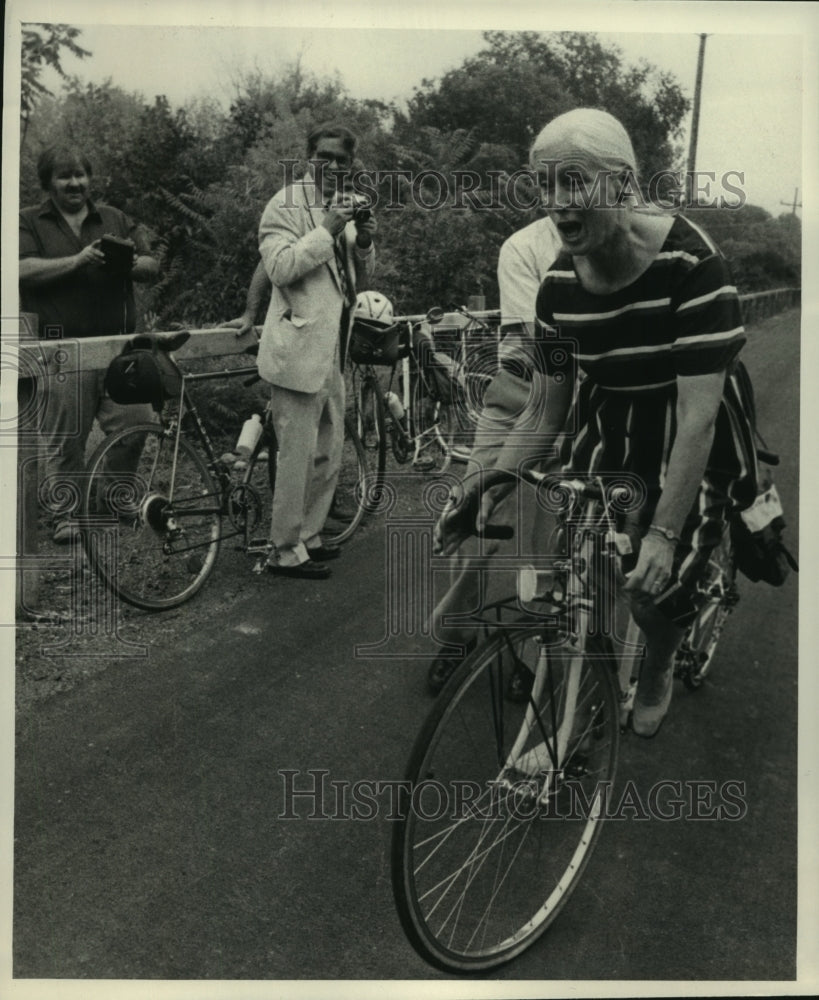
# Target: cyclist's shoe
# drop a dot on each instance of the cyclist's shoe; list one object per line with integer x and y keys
{"x": 308, "y": 570}
{"x": 444, "y": 666}
{"x": 651, "y": 702}
{"x": 460, "y": 453}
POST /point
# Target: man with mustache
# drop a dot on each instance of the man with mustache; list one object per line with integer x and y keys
{"x": 78, "y": 291}
{"x": 317, "y": 252}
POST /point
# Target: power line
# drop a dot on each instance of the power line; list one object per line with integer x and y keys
{"x": 795, "y": 204}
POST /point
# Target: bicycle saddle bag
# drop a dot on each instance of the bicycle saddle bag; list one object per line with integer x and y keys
{"x": 372, "y": 344}
{"x": 142, "y": 374}
{"x": 756, "y": 536}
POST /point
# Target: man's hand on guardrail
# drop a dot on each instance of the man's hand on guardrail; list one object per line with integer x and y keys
{"x": 242, "y": 324}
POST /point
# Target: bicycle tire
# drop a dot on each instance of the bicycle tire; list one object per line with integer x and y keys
{"x": 251, "y": 511}
{"x": 474, "y": 888}
{"x": 370, "y": 412}
{"x": 431, "y": 428}
{"x": 152, "y": 551}
{"x": 356, "y": 490}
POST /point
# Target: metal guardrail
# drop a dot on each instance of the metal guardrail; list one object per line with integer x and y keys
{"x": 760, "y": 305}
{"x": 36, "y": 360}
{"x": 49, "y": 358}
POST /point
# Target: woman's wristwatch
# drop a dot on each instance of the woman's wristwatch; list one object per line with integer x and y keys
{"x": 666, "y": 533}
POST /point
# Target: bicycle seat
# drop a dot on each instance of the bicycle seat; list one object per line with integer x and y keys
{"x": 170, "y": 341}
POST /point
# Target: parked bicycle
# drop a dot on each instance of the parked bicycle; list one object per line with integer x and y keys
{"x": 153, "y": 534}
{"x": 473, "y": 347}
{"x": 426, "y": 399}
{"x": 505, "y": 789}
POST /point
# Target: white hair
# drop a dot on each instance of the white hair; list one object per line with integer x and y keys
{"x": 587, "y": 134}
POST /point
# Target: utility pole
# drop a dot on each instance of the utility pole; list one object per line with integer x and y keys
{"x": 695, "y": 124}
{"x": 795, "y": 203}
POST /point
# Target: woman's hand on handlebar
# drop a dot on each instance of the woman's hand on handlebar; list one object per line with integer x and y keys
{"x": 467, "y": 513}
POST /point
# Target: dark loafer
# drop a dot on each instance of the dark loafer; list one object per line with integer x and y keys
{"x": 324, "y": 553}
{"x": 306, "y": 571}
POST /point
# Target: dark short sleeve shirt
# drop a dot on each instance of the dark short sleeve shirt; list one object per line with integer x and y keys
{"x": 90, "y": 302}
{"x": 680, "y": 317}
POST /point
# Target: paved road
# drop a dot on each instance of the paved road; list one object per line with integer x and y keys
{"x": 151, "y": 843}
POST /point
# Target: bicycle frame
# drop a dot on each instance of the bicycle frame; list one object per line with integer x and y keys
{"x": 593, "y": 569}
{"x": 186, "y": 408}
{"x": 411, "y": 372}
{"x": 581, "y": 582}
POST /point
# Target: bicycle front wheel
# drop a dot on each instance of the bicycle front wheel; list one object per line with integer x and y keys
{"x": 504, "y": 799}
{"x": 152, "y": 522}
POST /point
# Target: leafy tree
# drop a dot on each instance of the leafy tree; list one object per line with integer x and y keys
{"x": 200, "y": 176}
{"x": 102, "y": 120}
{"x": 434, "y": 246}
{"x": 762, "y": 252}
{"x": 521, "y": 80}
{"x": 43, "y": 45}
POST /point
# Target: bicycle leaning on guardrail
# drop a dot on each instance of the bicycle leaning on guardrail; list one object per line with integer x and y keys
{"x": 153, "y": 533}
{"x": 505, "y": 789}
{"x": 430, "y": 392}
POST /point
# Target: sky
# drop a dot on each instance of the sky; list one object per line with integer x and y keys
{"x": 752, "y": 108}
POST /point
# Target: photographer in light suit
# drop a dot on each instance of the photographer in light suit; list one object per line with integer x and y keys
{"x": 317, "y": 250}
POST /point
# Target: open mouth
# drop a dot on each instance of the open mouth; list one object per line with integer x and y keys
{"x": 570, "y": 230}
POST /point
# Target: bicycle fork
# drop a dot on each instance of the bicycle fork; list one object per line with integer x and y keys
{"x": 541, "y": 768}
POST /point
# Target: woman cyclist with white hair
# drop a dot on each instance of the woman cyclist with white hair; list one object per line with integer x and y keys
{"x": 642, "y": 301}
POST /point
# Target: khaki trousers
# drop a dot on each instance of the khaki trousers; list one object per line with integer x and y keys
{"x": 310, "y": 435}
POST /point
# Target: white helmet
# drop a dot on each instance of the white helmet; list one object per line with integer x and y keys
{"x": 373, "y": 307}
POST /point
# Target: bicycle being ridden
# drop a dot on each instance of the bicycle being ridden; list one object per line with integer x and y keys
{"x": 506, "y": 785}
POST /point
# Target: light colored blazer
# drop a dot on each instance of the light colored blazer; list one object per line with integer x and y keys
{"x": 301, "y": 330}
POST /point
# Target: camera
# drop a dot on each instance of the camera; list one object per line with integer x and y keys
{"x": 361, "y": 208}
{"x": 119, "y": 254}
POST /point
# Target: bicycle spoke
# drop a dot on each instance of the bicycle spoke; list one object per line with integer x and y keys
{"x": 489, "y": 871}
{"x": 139, "y": 539}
